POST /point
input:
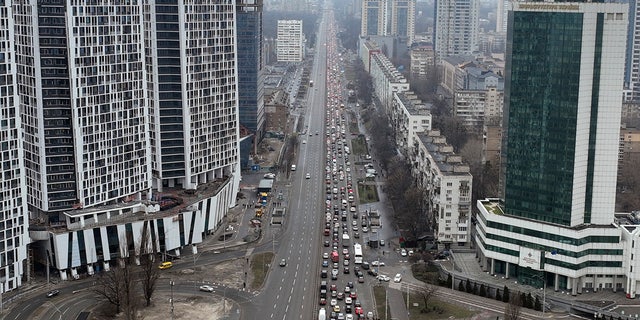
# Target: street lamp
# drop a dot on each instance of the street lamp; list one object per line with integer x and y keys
{"x": 171, "y": 300}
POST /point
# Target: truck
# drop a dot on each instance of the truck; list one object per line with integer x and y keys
{"x": 374, "y": 218}
{"x": 346, "y": 241}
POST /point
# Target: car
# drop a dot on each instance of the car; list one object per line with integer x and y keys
{"x": 304, "y": 141}
{"x": 360, "y": 311}
{"x": 369, "y": 315}
{"x": 333, "y": 287}
{"x": 349, "y": 316}
{"x": 383, "y": 277}
{"x": 325, "y": 255}
{"x": 206, "y": 288}
{"x": 360, "y": 279}
{"x": 345, "y": 262}
{"x": 347, "y": 289}
{"x": 327, "y": 243}
{"x": 397, "y": 278}
{"x": 372, "y": 273}
{"x": 340, "y": 316}
{"x": 348, "y": 300}
{"x": 345, "y": 251}
{"x": 323, "y": 301}
{"x": 403, "y": 252}
{"x": 350, "y": 284}
{"x": 53, "y": 293}
{"x": 336, "y": 308}
{"x": 283, "y": 262}
{"x": 165, "y": 265}
{"x": 382, "y": 242}
{"x": 323, "y": 274}
{"x": 307, "y": 176}
{"x": 325, "y": 263}
{"x": 346, "y": 270}
{"x": 353, "y": 295}
{"x": 377, "y": 263}
{"x": 334, "y": 302}
{"x": 365, "y": 229}
{"x": 270, "y": 175}
{"x": 340, "y": 295}
{"x": 365, "y": 265}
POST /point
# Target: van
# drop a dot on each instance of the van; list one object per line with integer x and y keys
{"x": 165, "y": 265}
{"x": 293, "y": 167}
{"x": 322, "y": 314}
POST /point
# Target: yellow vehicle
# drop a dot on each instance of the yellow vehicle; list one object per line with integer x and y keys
{"x": 165, "y": 265}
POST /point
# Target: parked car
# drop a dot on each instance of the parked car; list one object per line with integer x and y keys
{"x": 397, "y": 278}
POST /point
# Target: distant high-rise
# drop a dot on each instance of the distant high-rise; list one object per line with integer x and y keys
{"x": 502, "y": 15}
{"x": 193, "y": 92}
{"x": 563, "y": 98}
{"x": 290, "y": 43}
{"x": 250, "y": 70}
{"x": 14, "y": 221}
{"x": 632, "y": 70}
{"x": 374, "y": 18}
{"x": 403, "y": 19}
{"x": 457, "y": 23}
{"x": 82, "y": 94}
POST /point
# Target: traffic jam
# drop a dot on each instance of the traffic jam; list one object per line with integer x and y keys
{"x": 342, "y": 262}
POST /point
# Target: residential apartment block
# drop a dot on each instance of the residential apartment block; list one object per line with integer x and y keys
{"x": 374, "y": 18}
{"x": 423, "y": 60}
{"x": 291, "y": 41}
{"x": 386, "y": 79}
{"x": 130, "y": 116}
{"x": 402, "y": 19}
{"x": 474, "y": 106}
{"x": 14, "y": 219}
{"x": 457, "y": 27}
{"x": 408, "y": 115}
{"x": 440, "y": 171}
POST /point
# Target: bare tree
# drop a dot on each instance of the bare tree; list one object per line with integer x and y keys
{"x": 426, "y": 292}
{"x": 117, "y": 286}
{"x": 149, "y": 272}
{"x": 513, "y": 307}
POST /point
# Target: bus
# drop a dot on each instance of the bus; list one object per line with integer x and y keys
{"x": 357, "y": 253}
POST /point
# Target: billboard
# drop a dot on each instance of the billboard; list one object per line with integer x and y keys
{"x": 530, "y": 258}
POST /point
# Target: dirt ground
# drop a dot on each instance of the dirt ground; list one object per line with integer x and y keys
{"x": 197, "y": 307}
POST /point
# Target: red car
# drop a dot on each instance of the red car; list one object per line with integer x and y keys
{"x": 323, "y": 301}
{"x": 359, "y": 310}
{"x": 353, "y": 295}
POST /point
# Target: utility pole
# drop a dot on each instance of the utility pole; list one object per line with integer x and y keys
{"x": 171, "y": 300}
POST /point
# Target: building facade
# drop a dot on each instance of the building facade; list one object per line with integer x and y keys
{"x": 448, "y": 182}
{"x": 403, "y": 13}
{"x": 386, "y": 79}
{"x": 423, "y": 60}
{"x": 457, "y": 24}
{"x": 14, "y": 219}
{"x": 408, "y": 116}
{"x": 250, "y": 72}
{"x": 555, "y": 224}
{"x": 290, "y": 43}
{"x": 130, "y": 116}
{"x": 374, "y": 18}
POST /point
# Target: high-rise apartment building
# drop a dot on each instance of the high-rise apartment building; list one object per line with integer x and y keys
{"x": 403, "y": 13}
{"x": 457, "y": 23}
{"x": 374, "y": 18}
{"x": 502, "y": 13}
{"x": 128, "y": 109}
{"x": 561, "y": 127}
{"x": 290, "y": 43}
{"x": 250, "y": 71}
{"x": 14, "y": 222}
{"x": 191, "y": 63}
{"x": 82, "y": 92}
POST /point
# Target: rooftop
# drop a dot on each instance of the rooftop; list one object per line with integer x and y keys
{"x": 448, "y": 162}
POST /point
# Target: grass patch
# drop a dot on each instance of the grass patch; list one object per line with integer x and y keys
{"x": 260, "y": 264}
{"x": 380, "y": 293}
{"x": 353, "y": 126}
{"x": 367, "y": 193}
{"x": 436, "y": 309}
{"x": 359, "y": 146}
{"x": 425, "y": 273}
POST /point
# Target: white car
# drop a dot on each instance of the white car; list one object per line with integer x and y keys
{"x": 270, "y": 175}
{"x": 308, "y": 176}
{"x": 383, "y": 277}
{"x": 206, "y": 288}
{"x": 304, "y": 141}
{"x": 397, "y": 278}
{"x": 334, "y": 302}
{"x": 377, "y": 263}
{"x": 403, "y": 252}
{"x": 348, "y": 300}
